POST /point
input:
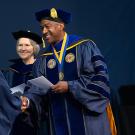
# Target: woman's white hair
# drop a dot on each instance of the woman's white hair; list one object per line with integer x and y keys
{"x": 34, "y": 44}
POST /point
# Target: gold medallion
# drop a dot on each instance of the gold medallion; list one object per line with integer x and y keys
{"x": 51, "y": 64}
{"x": 70, "y": 57}
{"x": 61, "y": 76}
{"x": 53, "y": 13}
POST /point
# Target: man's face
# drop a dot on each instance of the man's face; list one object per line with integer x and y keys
{"x": 51, "y": 31}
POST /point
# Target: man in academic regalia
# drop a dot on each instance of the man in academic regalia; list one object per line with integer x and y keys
{"x": 79, "y": 101}
{"x": 9, "y": 107}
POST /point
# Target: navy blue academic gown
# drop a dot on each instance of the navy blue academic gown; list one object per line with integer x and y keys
{"x": 83, "y": 109}
{"x": 9, "y": 107}
{"x": 16, "y": 74}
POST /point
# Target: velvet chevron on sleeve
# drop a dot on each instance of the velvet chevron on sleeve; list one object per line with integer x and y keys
{"x": 93, "y": 83}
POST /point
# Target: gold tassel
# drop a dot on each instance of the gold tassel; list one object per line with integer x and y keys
{"x": 43, "y": 43}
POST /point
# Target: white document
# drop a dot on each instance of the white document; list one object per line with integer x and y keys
{"x": 41, "y": 82}
{"x": 18, "y": 88}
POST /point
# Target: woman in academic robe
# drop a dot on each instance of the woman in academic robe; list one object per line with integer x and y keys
{"x": 27, "y": 48}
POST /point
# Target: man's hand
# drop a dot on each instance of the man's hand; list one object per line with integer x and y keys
{"x": 24, "y": 104}
{"x": 60, "y": 87}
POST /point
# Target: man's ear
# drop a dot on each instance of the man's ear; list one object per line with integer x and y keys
{"x": 62, "y": 26}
